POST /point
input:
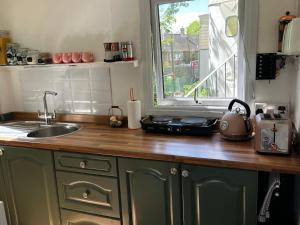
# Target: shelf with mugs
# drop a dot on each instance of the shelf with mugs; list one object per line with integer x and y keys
{"x": 134, "y": 63}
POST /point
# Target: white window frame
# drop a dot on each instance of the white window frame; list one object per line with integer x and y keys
{"x": 248, "y": 19}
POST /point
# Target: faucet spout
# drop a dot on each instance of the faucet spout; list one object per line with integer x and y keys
{"x": 47, "y": 116}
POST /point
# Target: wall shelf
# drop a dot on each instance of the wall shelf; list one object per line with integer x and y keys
{"x": 135, "y": 64}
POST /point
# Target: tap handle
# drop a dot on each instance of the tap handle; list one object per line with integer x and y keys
{"x": 54, "y": 114}
{"x": 39, "y": 113}
{"x": 50, "y": 93}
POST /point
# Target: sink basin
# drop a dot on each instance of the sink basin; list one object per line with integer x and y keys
{"x": 36, "y": 129}
{"x": 53, "y": 130}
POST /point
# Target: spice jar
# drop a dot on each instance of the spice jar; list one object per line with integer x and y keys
{"x": 108, "y": 57}
{"x": 115, "y": 50}
{"x": 11, "y": 53}
{"x": 127, "y": 51}
{"x": 4, "y": 40}
{"x": 32, "y": 57}
{"x": 21, "y": 56}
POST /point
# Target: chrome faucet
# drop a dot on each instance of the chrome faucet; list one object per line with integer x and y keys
{"x": 47, "y": 116}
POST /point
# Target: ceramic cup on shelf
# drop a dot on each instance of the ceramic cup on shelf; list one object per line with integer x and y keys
{"x": 76, "y": 57}
{"x": 87, "y": 57}
{"x": 67, "y": 57}
{"x": 57, "y": 58}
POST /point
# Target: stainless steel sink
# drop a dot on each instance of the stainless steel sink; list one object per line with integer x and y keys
{"x": 37, "y": 129}
{"x": 54, "y": 130}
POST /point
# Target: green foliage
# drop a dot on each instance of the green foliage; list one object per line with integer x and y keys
{"x": 168, "y": 15}
{"x": 193, "y": 28}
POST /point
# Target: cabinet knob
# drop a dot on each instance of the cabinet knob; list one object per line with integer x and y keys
{"x": 185, "y": 173}
{"x": 86, "y": 194}
{"x": 173, "y": 171}
{"x": 82, "y": 164}
{"x": 1, "y": 151}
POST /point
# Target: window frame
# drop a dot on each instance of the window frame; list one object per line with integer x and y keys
{"x": 150, "y": 38}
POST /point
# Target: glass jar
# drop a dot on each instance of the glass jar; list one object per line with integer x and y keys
{"x": 22, "y": 55}
{"x": 11, "y": 53}
{"x": 33, "y": 57}
{"x": 4, "y": 40}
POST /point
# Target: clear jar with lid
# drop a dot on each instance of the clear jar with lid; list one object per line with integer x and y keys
{"x": 22, "y": 55}
{"x": 33, "y": 57}
{"x": 11, "y": 53}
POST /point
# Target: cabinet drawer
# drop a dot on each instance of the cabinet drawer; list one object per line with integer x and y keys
{"x": 88, "y": 193}
{"x": 76, "y": 218}
{"x": 85, "y": 163}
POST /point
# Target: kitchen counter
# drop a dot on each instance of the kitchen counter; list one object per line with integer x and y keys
{"x": 209, "y": 151}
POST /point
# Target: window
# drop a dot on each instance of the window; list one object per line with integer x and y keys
{"x": 199, "y": 51}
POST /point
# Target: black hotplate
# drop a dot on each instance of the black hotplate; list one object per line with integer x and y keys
{"x": 179, "y": 125}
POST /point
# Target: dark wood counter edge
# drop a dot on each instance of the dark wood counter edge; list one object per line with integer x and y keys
{"x": 158, "y": 157}
{"x": 282, "y": 164}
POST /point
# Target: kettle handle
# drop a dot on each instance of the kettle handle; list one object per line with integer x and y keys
{"x": 246, "y": 106}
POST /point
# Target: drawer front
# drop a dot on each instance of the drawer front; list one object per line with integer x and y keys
{"x": 88, "y": 193}
{"x": 76, "y": 218}
{"x": 84, "y": 163}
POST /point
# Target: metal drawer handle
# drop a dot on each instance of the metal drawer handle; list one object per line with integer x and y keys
{"x": 173, "y": 171}
{"x": 82, "y": 164}
{"x": 86, "y": 194}
{"x": 1, "y": 151}
{"x": 185, "y": 173}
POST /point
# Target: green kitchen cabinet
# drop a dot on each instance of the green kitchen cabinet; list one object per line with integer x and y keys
{"x": 3, "y": 197}
{"x": 150, "y": 192}
{"x": 214, "y": 196}
{"x": 30, "y": 186}
{"x": 163, "y": 193}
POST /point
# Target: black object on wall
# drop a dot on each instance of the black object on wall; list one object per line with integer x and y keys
{"x": 266, "y": 66}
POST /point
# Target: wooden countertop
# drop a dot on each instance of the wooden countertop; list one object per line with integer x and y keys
{"x": 209, "y": 151}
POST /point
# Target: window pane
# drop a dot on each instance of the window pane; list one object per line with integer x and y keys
{"x": 195, "y": 48}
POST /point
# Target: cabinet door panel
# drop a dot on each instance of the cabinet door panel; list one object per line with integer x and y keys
{"x": 85, "y": 163}
{"x": 214, "y": 196}
{"x": 89, "y": 193}
{"x": 30, "y": 186}
{"x": 76, "y": 218}
{"x": 150, "y": 193}
{"x": 3, "y": 197}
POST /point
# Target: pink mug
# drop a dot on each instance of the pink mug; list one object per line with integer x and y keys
{"x": 57, "y": 58}
{"x": 67, "y": 57}
{"x": 87, "y": 57}
{"x": 76, "y": 57}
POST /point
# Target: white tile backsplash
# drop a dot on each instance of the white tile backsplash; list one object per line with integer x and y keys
{"x": 80, "y": 90}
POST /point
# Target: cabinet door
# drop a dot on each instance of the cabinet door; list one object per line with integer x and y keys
{"x": 69, "y": 217}
{"x": 215, "y": 196}
{"x": 3, "y": 197}
{"x": 150, "y": 192}
{"x": 89, "y": 193}
{"x": 30, "y": 186}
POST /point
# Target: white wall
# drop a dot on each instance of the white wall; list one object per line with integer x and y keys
{"x": 68, "y": 25}
{"x": 63, "y": 25}
{"x": 279, "y": 90}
